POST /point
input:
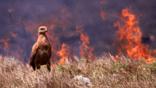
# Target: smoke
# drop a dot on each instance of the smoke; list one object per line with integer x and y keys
{"x": 19, "y": 21}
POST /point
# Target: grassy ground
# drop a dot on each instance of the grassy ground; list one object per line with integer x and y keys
{"x": 102, "y": 73}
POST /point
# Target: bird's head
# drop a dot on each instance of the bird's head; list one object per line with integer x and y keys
{"x": 42, "y": 29}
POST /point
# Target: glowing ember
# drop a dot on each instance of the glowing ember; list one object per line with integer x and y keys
{"x": 129, "y": 36}
{"x": 64, "y": 54}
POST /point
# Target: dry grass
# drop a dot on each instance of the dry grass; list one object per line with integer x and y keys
{"x": 102, "y": 73}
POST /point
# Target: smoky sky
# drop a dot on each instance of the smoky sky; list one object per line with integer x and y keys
{"x": 19, "y": 20}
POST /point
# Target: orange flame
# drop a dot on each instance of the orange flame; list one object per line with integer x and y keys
{"x": 85, "y": 49}
{"x": 64, "y": 54}
{"x": 129, "y": 35}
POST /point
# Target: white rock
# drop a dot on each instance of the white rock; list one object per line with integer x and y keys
{"x": 84, "y": 80}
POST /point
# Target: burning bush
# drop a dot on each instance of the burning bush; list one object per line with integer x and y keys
{"x": 129, "y": 37}
{"x": 85, "y": 50}
{"x": 64, "y": 54}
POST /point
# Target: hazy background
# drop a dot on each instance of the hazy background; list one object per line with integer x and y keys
{"x": 19, "y": 20}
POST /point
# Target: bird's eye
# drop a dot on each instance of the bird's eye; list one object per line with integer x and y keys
{"x": 42, "y": 29}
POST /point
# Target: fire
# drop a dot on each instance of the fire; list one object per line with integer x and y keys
{"x": 5, "y": 43}
{"x": 102, "y": 13}
{"x": 64, "y": 54}
{"x": 85, "y": 50}
{"x": 13, "y": 34}
{"x": 129, "y": 36}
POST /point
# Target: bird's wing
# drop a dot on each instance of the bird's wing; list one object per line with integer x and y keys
{"x": 49, "y": 47}
{"x": 33, "y": 53}
{"x": 49, "y": 51}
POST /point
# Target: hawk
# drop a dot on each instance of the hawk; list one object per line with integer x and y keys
{"x": 41, "y": 50}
